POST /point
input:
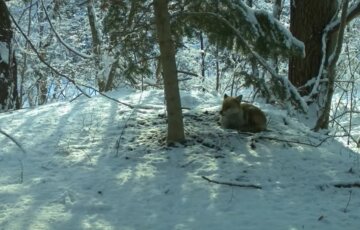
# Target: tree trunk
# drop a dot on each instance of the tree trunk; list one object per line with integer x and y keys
{"x": 175, "y": 132}
{"x": 217, "y": 86}
{"x": 8, "y": 68}
{"x": 277, "y": 8}
{"x": 202, "y": 48}
{"x": 307, "y": 22}
{"x": 96, "y": 45}
{"x": 330, "y": 72}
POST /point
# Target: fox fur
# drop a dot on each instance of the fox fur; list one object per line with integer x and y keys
{"x": 242, "y": 116}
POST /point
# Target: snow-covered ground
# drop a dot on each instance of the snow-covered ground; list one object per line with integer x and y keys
{"x": 97, "y": 164}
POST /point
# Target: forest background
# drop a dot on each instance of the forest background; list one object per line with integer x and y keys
{"x": 55, "y": 50}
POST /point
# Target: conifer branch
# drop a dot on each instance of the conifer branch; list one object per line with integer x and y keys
{"x": 284, "y": 80}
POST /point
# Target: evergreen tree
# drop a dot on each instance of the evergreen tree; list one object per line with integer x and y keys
{"x": 233, "y": 25}
{"x": 175, "y": 132}
{"x": 131, "y": 35}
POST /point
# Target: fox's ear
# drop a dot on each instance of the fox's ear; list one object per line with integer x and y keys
{"x": 239, "y": 98}
{"x": 225, "y": 96}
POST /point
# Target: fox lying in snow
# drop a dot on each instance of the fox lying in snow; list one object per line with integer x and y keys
{"x": 241, "y": 116}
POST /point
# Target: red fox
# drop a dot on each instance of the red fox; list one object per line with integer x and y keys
{"x": 241, "y": 116}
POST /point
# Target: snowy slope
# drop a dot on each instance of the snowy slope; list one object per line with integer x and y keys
{"x": 97, "y": 164}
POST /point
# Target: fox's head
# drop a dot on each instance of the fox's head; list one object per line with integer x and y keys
{"x": 230, "y": 104}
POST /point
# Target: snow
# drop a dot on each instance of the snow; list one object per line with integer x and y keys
{"x": 97, "y": 164}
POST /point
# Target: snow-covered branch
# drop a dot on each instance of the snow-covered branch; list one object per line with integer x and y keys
{"x": 72, "y": 49}
{"x": 42, "y": 59}
{"x": 335, "y": 56}
{"x": 285, "y": 81}
{"x": 332, "y": 58}
{"x": 352, "y": 13}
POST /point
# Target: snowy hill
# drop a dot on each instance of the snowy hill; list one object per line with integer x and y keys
{"x": 97, "y": 164}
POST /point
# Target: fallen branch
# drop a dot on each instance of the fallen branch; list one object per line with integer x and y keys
{"x": 347, "y": 185}
{"x": 232, "y": 184}
{"x": 295, "y": 141}
{"x": 347, "y": 205}
{"x": 274, "y": 138}
{"x": 13, "y": 140}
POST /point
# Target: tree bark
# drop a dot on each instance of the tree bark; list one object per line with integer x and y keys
{"x": 8, "y": 68}
{"x": 103, "y": 85}
{"x": 175, "y": 132}
{"x": 202, "y": 48}
{"x": 307, "y": 22}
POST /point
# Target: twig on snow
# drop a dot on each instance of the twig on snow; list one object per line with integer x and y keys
{"x": 347, "y": 205}
{"x": 232, "y": 184}
{"x": 347, "y": 185}
{"x": 295, "y": 141}
{"x": 21, "y": 171}
{"x": 13, "y": 140}
{"x": 22, "y": 149}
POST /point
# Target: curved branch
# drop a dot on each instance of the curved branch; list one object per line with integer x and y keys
{"x": 353, "y": 12}
{"x": 13, "y": 140}
{"x": 60, "y": 39}
{"x": 43, "y": 60}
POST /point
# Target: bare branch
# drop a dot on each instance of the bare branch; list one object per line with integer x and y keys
{"x": 347, "y": 185}
{"x": 232, "y": 184}
{"x": 60, "y": 39}
{"x": 108, "y": 97}
{"x": 189, "y": 73}
{"x": 348, "y": 134}
{"x": 296, "y": 141}
{"x": 353, "y": 12}
{"x": 42, "y": 59}
{"x": 13, "y": 140}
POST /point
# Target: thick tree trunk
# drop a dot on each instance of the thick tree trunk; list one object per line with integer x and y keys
{"x": 8, "y": 67}
{"x": 167, "y": 55}
{"x": 307, "y": 22}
